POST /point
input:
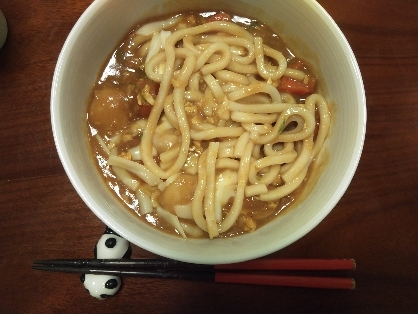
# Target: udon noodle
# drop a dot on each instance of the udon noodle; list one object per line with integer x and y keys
{"x": 208, "y": 128}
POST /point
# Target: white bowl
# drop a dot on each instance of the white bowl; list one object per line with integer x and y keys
{"x": 304, "y": 23}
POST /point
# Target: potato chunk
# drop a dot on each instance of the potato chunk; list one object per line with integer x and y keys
{"x": 179, "y": 192}
{"x": 109, "y": 110}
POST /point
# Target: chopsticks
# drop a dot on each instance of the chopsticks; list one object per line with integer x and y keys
{"x": 239, "y": 273}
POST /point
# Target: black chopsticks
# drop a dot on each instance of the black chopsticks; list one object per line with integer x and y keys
{"x": 241, "y": 273}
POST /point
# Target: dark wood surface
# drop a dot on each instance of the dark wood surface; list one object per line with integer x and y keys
{"x": 376, "y": 222}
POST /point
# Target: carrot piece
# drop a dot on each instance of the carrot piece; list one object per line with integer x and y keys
{"x": 296, "y": 87}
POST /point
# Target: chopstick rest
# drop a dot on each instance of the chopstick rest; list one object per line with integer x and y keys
{"x": 110, "y": 245}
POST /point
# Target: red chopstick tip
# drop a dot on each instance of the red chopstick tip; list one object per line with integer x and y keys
{"x": 354, "y": 264}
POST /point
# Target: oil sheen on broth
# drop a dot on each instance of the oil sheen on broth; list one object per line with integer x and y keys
{"x": 206, "y": 124}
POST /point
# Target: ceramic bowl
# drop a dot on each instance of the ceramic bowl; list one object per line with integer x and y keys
{"x": 305, "y": 25}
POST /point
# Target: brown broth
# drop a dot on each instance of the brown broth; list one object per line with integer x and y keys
{"x": 118, "y": 81}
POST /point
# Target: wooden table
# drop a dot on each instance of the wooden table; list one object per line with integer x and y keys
{"x": 376, "y": 222}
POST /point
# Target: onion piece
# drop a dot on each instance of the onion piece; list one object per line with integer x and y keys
{"x": 184, "y": 211}
{"x": 136, "y": 152}
{"x": 154, "y": 27}
{"x": 144, "y": 202}
{"x": 192, "y": 230}
{"x": 171, "y": 219}
{"x": 164, "y": 35}
{"x": 102, "y": 144}
{"x": 126, "y": 178}
{"x": 225, "y": 189}
{"x": 155, "y": 46}
{"x": 136, "y": 168}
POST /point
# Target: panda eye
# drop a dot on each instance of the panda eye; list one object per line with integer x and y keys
{"x": 111, "y": 284}
{"x": 111, "y": 242}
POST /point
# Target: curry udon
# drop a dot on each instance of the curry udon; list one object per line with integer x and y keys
{"x": 206, "y": 124}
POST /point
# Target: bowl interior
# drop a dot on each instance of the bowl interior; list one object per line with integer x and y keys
{"x": 315, "y": 36}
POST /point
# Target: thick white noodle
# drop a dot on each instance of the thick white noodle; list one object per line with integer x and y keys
{"x": 217, "y": 133}
{"x": 243, "y": 171}
{"x": 268, "y": 161}
{"x": 235, "y": 41}
{"x": 286, "y": 189}
{"x": 209, "y": 200}
{"x": 255, "y": 189}
{"x": 199, "y": 194}
{"x": 241, "y": 143}
{"x": 231, "y": 77}
{"x": 228, "y": 163}
{"x": 265, "y": 71}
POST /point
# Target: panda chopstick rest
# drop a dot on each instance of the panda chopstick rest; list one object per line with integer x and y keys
{"x": 109, "y": 246}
